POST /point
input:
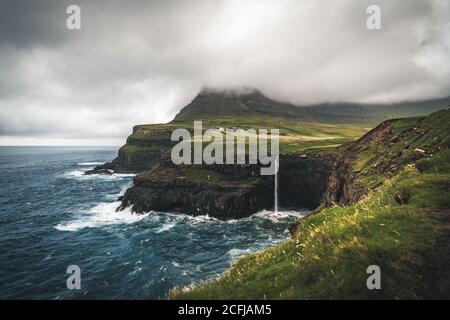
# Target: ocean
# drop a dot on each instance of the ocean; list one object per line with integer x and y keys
{"x": 52, "y": 216}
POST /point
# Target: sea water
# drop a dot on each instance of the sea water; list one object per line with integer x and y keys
{"x": 52, "y": 216}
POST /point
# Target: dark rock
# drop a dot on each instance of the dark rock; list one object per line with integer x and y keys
{"x": 142, "y": 151}
{"x": 342, "y": 189}
{"x": 240, "y": 193}
{"x": 293, "y": 227}
{"x": 401, "y": 197}
{"x": 99, "y": 171}
{"x": 418, "y": 154}
{"x": 223, "y": 202}
{"x": 303, "y": 179}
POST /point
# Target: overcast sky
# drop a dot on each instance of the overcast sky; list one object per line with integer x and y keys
{"x": 137, "y": 62}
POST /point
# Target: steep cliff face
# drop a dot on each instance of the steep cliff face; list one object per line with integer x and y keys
{"x": 142, "y": 151}
{"x": 383, "y": 152}
{"x": 341, "y": 175}
{"x": 230, "y": 191}
{"x": 341, "y": 187}
{"x": 225, "y": 191}
{"x": 303, "y": 178}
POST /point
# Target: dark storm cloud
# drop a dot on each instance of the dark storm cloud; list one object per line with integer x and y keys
{"x": 141, "y": 61}
{"x": 28, "y": 23}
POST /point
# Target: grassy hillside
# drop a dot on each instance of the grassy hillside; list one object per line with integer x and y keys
{"x": 295, "y": 136}
{"x": 373, "y": 114}
{"x": 302, "y": 127}
{"x": 331, "y": 250}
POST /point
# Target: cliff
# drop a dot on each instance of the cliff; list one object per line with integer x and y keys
{"x": 341, "y": 175}
{"x": 309, "y": 174}
{"x": 380, "y": 154}
{"x": 143, "y": 150}
{"x": 303, "y": 178}
{"x": 229, "y": 191}
{"x": 250, "y": 108}
{"x": 387, "y": 204}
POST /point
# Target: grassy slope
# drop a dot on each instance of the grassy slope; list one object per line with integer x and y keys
{"x": 295, "y": 136}
{"x": 372, "y": 114}
{"x": 323, "y": 126}
{"x": 328, "y": 256}
{"x": 429, "y": 133}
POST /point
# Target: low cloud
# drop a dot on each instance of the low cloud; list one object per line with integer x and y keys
{"x": 141, "y": 63}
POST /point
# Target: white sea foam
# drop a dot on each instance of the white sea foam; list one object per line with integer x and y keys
{"x": 79, "y": 175}
{"x": 280, "y": 215}
{"x": 124, "y": 188}
{"x": 90, "y": 163}
{"x": 166, "y": 227}
{"x": 74, "y": 173}
{"x": 135, "y": 270}
{"x": 101, "y": 215}
{"x": 204, "y": 219}
{"x": 181, "y": 217}
{"x": 235, "y": 253}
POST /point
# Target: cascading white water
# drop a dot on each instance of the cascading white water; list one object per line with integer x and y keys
{"x": 275, "y": 194}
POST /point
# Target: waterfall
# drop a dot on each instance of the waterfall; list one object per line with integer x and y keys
{"x": 275, "y": 191}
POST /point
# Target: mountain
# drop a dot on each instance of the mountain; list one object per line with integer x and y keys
{"x": 375, "y": 113}
{"x": 210, "y": 103}
{"x": 213, "y": 103}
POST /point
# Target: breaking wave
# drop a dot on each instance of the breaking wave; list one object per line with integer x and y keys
{"x": 103, "y": 214}
{"x": 79, "y": 175}
{"x": 90, "y": 163}
{"x": 281, "y": 215}
{"x": 166, "y": 227}
{"x": 236, "y": 253}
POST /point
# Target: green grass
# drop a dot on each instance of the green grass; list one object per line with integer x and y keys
{"x": 295, "y": 136}
{"x": 211, "y": 177}
{"x": 132, "y": 149}
{"x": 331, "y": 250}
{"x": 373, "y": 162}
{"x": 204, "y": 176}
{"x": 440, "y": 163}
{"x": 328, "y": 256}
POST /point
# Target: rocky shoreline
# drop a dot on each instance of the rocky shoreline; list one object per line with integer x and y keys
{"x": 226, "y": 191}
{"x": 229, "y": 191}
